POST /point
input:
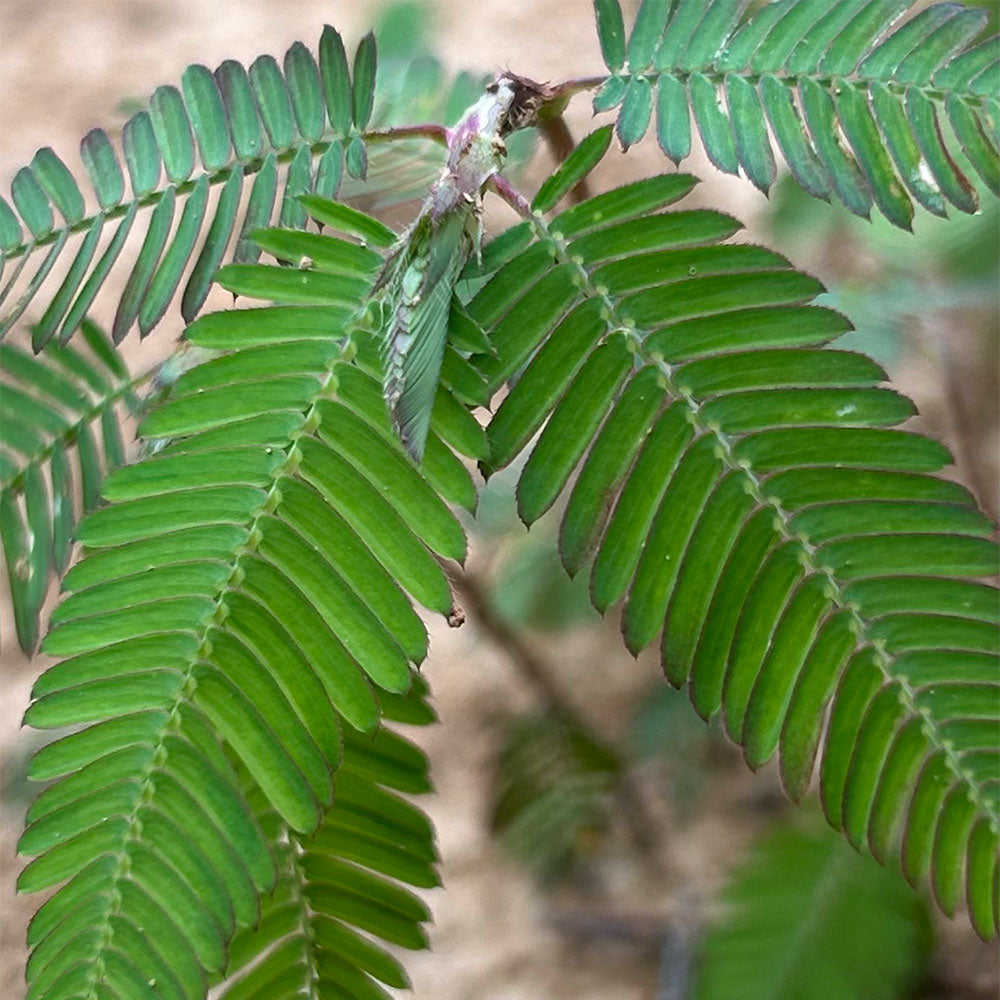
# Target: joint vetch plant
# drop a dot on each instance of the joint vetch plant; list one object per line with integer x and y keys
{"x": 229, "y": 810}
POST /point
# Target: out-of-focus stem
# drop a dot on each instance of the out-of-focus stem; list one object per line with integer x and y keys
{"x": 511, "y": 195}
{"x": 535, "y": 670}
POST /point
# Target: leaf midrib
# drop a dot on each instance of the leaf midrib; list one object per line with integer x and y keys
{"x": 827, "y": 81}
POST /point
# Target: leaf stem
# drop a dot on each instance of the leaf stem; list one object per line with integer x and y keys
{"x": 577, "y": 85}
{"x": 511, "y": 195}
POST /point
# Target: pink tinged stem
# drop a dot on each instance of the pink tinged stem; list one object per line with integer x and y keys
{"x": 511, "y": 195}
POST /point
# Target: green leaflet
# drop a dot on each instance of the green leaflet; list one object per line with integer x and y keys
{"x": 57, "y": 308}
{"x": 715, "y": 129}
{"x": 574, "y": 168}
{"x": 58, "y": 184}
{"x": 141, "y": 153}
{"x": 528, "y": 404}
{"x": 168, "y": 274}
{"x": 566, "y": 435}
{"x": 336, "y": 81}
{"x": 349, "y": 220}
{"x": 673, "y": 120}
{"x": 356, "y": 158}
{"x": 610, "y": 32}
{"x": 10, "y": 228}
{"x": 859, "y": 127}
{"x": 606, "y": 465}
{"x": 363, "y": 84}
{"x": 646, "y": 33}
{"x": 239, "y": 720}
{"x": 297, "y": 182}
{"x": 208, "y": 117}
{"x": 142, "y": 272}
{"x": 34, "y": 283}
{"x": 749, "y": 132}
{"x": 237, "y": 96}
{"x": 216, "y": 240}
{"x": 381, "y": 463}
{"x": 398, "y": 550}
{"x": 297, "y": 287}
{"x": 30, "y": 201}
{"x": 273, "y": 101}
{"x": 173, "y": 133}
{"x": 610, "y": 94}
{"x": 678, "y": 32}
{"x": 360, "y": 631}
{"x": 637, "y": 108}
{"x": 302, "y": 77}
{"x": 88, "y": 293}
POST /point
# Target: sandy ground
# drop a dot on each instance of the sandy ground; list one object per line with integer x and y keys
{"x": 66, "y": 66}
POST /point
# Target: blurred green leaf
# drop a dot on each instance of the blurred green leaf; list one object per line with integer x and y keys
{"x": 402, "y": 29}
{"x": 808, "y": 917}
{"x": 552, "y": 793}
{"x": 532, "y": 590}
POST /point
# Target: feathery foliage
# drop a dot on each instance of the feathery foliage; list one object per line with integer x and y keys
{"x": 343, "y": 878}
{"x": 226, "y": 806}
{"x": 553, "y": 787}
{"x": 242, "y": 586}
{"x": 747, "y": 494}
{"x": 263, "y": 136}
{"x": 854, "y": 98}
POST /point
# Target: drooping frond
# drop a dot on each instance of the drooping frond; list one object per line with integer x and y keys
{"x": 863, "y": 105}
{"x": 339, "y": 887}
{"x": 804, "y": 916}
{"x": 249, "y": 583}
{"x": 748, "y": 495}
{"x": 262, "y": 136}
{"x": 59, "y": 434}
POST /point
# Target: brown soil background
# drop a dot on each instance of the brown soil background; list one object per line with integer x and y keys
{"x": 66, "y": 65}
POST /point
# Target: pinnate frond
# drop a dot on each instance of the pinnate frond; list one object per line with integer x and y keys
{"x": 751, "y": 498}
{"x": 554, "y": 792}
{"x": 60, "y": 416}
{"x": 248, "y": 585}
{"x": 864, "y": 104}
